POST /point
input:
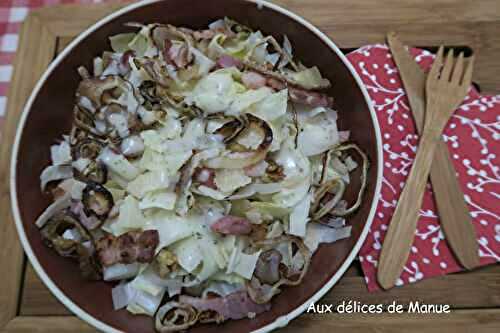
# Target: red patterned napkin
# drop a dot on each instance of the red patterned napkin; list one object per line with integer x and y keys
{"x": 473, "y": 138}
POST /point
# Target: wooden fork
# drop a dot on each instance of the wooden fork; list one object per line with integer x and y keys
{"x": 445, "y": 90}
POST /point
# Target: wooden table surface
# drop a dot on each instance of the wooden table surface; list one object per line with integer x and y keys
{"x": 26, "y": 305}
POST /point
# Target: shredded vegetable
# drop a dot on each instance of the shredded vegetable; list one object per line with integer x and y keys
{"x": 203, "y": 170}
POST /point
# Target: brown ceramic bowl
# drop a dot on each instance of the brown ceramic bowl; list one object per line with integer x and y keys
{"x": 48, "y": 114}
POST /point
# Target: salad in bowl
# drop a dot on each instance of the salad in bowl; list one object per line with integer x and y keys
{"x": 202, "y": 171}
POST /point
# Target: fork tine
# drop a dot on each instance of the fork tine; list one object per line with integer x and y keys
{"x": 436, "y": 66}
{"x": 448, "y": 65}
{"x": 466, "y": 81}
{"x": 458, "y": 70}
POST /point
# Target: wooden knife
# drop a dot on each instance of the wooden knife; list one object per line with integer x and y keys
{"x": 453, "y": 212}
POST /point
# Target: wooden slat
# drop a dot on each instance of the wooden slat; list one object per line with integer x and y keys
{"x": 37, "y": 300}
{"x": 82, "y": 16}
{"x": 52, "y": 324}
{"x": 320, "y": 12}
{"x": 479, "y": 289}
{"x": 484, "y": 321}
{"x": 62, "y": 42}
{"x": 368, "y": 12}
{"x": 460, "y": 321}
{"x": 38, "y": 53}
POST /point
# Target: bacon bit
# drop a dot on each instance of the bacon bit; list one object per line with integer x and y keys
{"x": 206, "y": 177}
{"x": 232, "y": 225}
{"x": 226, "y": 61}
{"x": 275, "y": 83}
{"x": 167, "y": 44}
{"x": 133, "y": 246}
{"x": 253, "y": 80}
{"x": 302, "y": 96}
{"x": 233, "y": 306}
{"x": 311, "y": 98}
{"x": 124, "y": 61}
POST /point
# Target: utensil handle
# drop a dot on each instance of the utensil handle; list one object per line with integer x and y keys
{"x": 454, "y": 214}
{"x": 401, "y": 232}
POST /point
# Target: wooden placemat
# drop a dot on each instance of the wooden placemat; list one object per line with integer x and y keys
{"x": 26, "y": 305}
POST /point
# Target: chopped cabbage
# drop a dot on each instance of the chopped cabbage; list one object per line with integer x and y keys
{"x": 55, "y": 172}
{"x": 188, "y": 253}
{"x": 296, "y": 166}
{"x": 136, "y": 78}
{"x": 55, "y": 207}
{"x": 163, "y": 199}
{"x": 287, "y": 48}
{"x": 171, "y": 129}
{"x": 318, "y": 134}
{"x": 170, "y": 162}
{"x": 299, "y": 217}
{"x": 119, "y": 43}
{"x": 229, "y": 180}
{"x": 148, "y": 182}
{"x": 209, "y": 266}
{"x": 61, "y": 153}
{"x": 289, "y": 197}
{"x": 172, "y": 227}
{"x": 275, "y": 230}
{"x": 117, "y": 194}
{"x": 276, "y": 211}
{"x": 309, "y": 78}
{"x": 122, "y": 295}
{"x": 146, "y": 282}
{"x": 241, "y": 263}
{"x": 144, "y": 303}
{"x": 244, "y": 100}
{"x": 73, "y": 187}
{"x": 129, "y": 218}
{"x": 214, "y": 93}
{"x": 141, "y": 44}
{"x": 153, "y": 140}
{"x": 118, "y": 163}
{"x": 285, "y": 248}
{"x": 250, "y": 139}
{"x": 317, "y": 233}
{"x": 120, "y": 271}
{"x": 272, "y": 107}
{"x": 204, "y": 63}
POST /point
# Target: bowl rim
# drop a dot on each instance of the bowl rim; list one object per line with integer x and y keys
{"x": 278, "y": 322}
